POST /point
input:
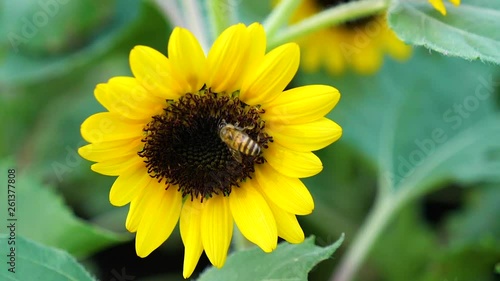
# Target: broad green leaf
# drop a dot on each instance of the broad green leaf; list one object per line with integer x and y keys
{"x": 287, "y": 262}
{"x": 423, "y": 122}
{"x": 428, "y": 121}
{"x": 403, "y": 249}
{"x": 470, "y": 31}
{"x": 42, "y": 216}
{"x": 34, "y": 261}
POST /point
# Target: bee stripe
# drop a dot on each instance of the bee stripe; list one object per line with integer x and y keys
{"x": 256, "y": 149}
{"x": 245, "y": 146}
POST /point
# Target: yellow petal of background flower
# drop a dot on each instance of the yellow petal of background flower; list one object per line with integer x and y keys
{"x": 305, "y": 137}
{"x": 216, "y": 229}
{"x": 267, "y": 80}
{"x": 129, "y": 184}
{"x": 288, "y": 226}
{"x": 188, "y": 59}
{"x": 302, "y": 104}
{"x": 438, "y": 5}
{"x": 126, "y": 97}
{"x": 107, "y": 126}
{"x": 228, "y": 59}
{"x": 190, "y": 227}
{"x": 290, "y": 194}
{"x": 102, "y": 151}
{"x": 253, "y": 216}
{"x": 159, "y": 219}
{"x": 368, "y": 59}
{"x": 292, "y": 163}
{"x": 154, "y": 72}
{"x": 455, "y": 2}
{"x": 116, "y": 166}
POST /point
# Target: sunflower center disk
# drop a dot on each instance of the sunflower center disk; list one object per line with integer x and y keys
{"x": 183, "y": 147}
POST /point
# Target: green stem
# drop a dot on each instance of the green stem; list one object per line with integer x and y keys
{"x": 279, "y": 16}
{"x": 385, "y": 207}
{"x": 239, "y": 241}
{"x": 221, "y": 14}
{"x": 192, "y": 12}
{"x": 332, "y": 16}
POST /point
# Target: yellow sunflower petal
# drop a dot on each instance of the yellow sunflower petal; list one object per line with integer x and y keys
{"x": 305, "y": 137}
{"x": 455, "y": 2}
{"x": 292, "y": 163}
{"x": 107, "y": 126}
{"x": 129, "y": 184}
{"x": 438, "y": 5}
{"x": 159, "y": 219}
{"x": 190, "y": 227}
{"x": 97, "y": 152}
{"x": 126, "y": 97}
{"x": 290, "y": 194}
{"x": 267, "y": 80}
{"x": 188, "y": 59}
{"x": 257, "y": 48}
{"x": 301, "y": 105}
{"x": 116, "y": 166}
{"x": 137, "y": 209}
{"x": 253, "y": 216}
{"x": 227, "y": 59}
{"x": 288, "y": 226}
{"x": 216, "y": 229}
{"x": 154, "y": 72}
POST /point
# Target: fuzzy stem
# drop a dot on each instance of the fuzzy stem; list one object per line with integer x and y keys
{"x": 279, "y": 16}
{"x": 192, "y": 11}
{"x": 329, "y": 17}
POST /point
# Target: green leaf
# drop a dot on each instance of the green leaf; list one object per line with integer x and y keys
{"x": 470, "y": 31}
{"x": 49, "y": 27}
{"x": 287, "y": 262}
{"x": 33, "y": 261}
{"x": 418, "y": 126}
{"x": 42, "y": 216}
{"x": 477, "y": 223}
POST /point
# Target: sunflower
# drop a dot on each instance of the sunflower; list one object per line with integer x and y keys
{"x": 359, "y": 45}
{"x": 439, "y": 5}
{"x": 162, "y": 136}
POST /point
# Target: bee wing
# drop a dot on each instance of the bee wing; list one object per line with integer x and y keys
{"x": 236, "y": 155}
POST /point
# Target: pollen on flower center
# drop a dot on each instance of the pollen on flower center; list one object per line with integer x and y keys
{"x": 183, "y": 146}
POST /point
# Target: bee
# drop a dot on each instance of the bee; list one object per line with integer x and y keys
{"x": 237, "y": 141}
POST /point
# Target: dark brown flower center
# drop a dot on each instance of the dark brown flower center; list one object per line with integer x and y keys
{"x": 183, "y": 146}
{"x": 325, "y": 4}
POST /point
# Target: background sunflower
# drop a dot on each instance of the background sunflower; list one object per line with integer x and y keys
{"x": 413, "y": 184}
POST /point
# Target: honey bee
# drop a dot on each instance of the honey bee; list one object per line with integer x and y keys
{"x": 237, "y": 141}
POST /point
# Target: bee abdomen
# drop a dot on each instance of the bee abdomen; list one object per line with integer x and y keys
{"x": 249, "y": 147}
